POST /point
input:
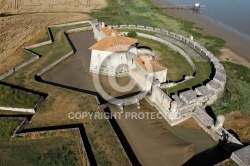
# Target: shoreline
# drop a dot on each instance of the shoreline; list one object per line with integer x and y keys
{"x": 236, "y": 44}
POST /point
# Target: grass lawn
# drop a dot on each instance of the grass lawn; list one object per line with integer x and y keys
{"x": 139, "y": 13}
{"x": 15, "y": 98}
{"x": 176, "y": 64}
{"x": 204, "y": 70}
{"x": 61, "y": 149}
{"x": 60, "y": 102}
{"x": 236, "y": 96}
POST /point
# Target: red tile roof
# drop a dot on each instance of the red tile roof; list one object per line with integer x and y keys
{"x": 114, "y": 44}
{"x": 149, "y": 65}
{"x": 108, "y": 31}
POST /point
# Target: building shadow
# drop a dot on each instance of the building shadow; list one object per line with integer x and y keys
{"x": 210, "y": 112}
{"x": 209, "y": 157}
{"x": 125, "y": 144}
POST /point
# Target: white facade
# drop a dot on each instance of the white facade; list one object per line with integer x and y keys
{"x": 110, "y": 63}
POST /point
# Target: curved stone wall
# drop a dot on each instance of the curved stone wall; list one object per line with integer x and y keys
{"x": 215, "y": 87}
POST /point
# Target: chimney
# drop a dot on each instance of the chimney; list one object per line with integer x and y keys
{"x": 103, "y": 24}
{"x": 113, "y": 33}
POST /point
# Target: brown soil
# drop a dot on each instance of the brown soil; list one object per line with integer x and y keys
{"x": 152, "y": 142}
{"x": 18, "y": 31}
{"x": 240, "y": 124}
{"x": 232, "y": 56}
{"x": 30, "y": 6}
{"x": 190, "y": 123}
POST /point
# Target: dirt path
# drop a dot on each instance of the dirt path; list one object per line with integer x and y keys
{"x": 232, "y": 56}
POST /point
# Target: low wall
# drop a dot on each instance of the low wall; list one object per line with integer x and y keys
{"x": 67, "y": 55}
{"x": 6, "y": 74}
{"x": 38, "y": 44}
{"x": 72, "y": 23}
{"x": 79, "y": 30}
{"x": 207, "y": 123}
{"x": 55, "y": 63}
{"x": 17, "y": 109}
{"x": 174, "y": 47}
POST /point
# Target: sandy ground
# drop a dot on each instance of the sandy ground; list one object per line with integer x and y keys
{"x": 21, "y": 30}
{"x": 151, "y": 141}
{"x": 234, "y": 40}
{"x": 29, "y": 6}
{"x": 240, "y": 124}
{"x": 231, "y": 56}
{"x": 190, "y": 123}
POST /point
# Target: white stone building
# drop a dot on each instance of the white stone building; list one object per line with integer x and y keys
{"x": 117, "y": 55}
{"x": 145, "y": 70}
{"x": 112, "y": 54}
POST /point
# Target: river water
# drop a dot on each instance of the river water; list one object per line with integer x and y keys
{"x": 233, "y": 14}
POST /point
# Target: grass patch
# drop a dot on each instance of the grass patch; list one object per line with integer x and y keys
{"x": 140, "y": 14}
{"x": 59, "y": 47}
{"x": 50, "y": 149}
{"x": 236, "y": 96}
{"x": 176, "y": 64}
{"x": 15, "y": 98}
{"x": 8, "y": 125}
{"x": 204, "y": 71}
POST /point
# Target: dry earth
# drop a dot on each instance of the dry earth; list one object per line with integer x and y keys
{"x": 20, "y": 30}
{"x": 240, "y": 124}
{"x": 232, "y": 56}
{"x": 29, "y": 6}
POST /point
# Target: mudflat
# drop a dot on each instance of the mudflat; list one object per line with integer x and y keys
{"x": 151, "y": 141}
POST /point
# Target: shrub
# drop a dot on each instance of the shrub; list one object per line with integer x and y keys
{"x": 132, "y": 34}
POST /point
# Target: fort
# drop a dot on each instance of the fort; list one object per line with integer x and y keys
{"x": 150, "y": 76}
{"x": 115, "y": 54}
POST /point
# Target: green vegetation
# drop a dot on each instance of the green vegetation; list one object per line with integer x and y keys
{"x": 58, "y": 48}
{"x": 140, "y": 13}
{"x": 8, "y": 125}
{"x": 177, "y": 65}
{"x": 204, "y": 70}
{"x": 51, "y": 150}
{"x": 132, "y": 34}
{"x": 15, "y": 98}
{"x": 236, "y": 96}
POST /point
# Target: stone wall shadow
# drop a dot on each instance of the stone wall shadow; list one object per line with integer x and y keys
{"x": 100, "y": 98}
{"x": 70, "y": 42}
{"x": 210, "y": 112}
{"x": 129, "y": 151}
